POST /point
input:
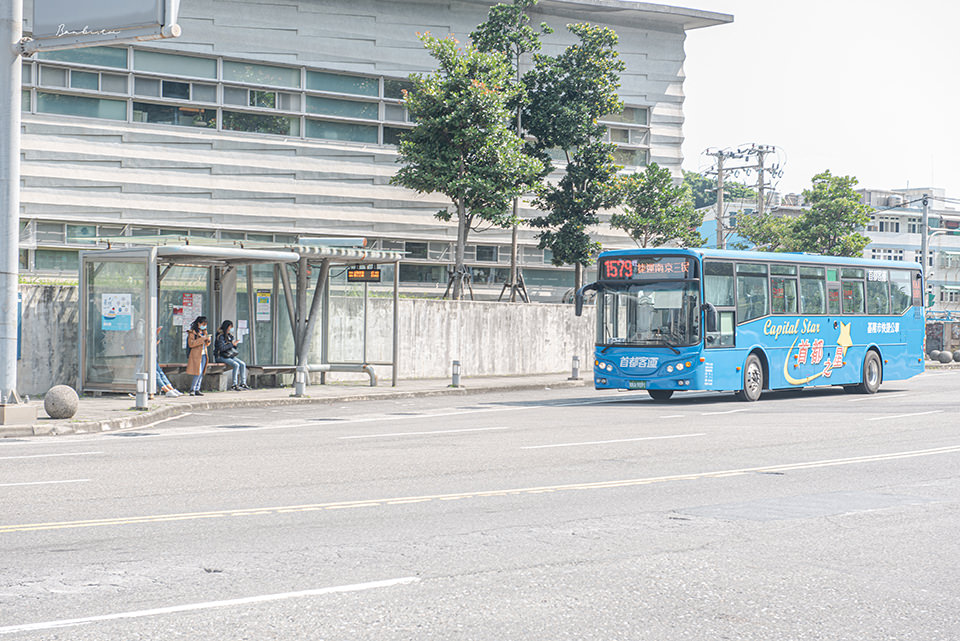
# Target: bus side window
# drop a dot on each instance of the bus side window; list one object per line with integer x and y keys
{"x": 852, "y": 296}
{"x": 833, "y": 290}
{"x": 753, "y": 293}
{"x": 812, "y": 293}
{"x": 718, "y": 283}
{"x": 900, "y": 292}
{"x": 878, "y": 295}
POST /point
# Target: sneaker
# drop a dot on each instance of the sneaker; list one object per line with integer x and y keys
{"x": 235, "y": 388}
{"x": 172, "y": 393}
{"x": 196, "y": 393}
{"x": 244, "y": 386}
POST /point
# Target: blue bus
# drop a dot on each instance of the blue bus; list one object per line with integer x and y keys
{"x": 673, "y": 320}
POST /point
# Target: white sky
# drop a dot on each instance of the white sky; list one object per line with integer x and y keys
{"x": 863, "y": 88}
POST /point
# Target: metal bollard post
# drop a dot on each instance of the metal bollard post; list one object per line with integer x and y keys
{"x": 575, "y": 376}
{"x": 300, "y": 381}
{"x": 456, "y": 374}
{"x": 143, "y": 380}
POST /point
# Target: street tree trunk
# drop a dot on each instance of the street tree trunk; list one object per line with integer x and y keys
{"x": 459, "y": 268}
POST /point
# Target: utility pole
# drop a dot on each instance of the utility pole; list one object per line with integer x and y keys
{"x": 721, "y": 241}
{"x": 924, "y": 231}
{"x": 11, "y": 32}
{"x": 761, "y": 197}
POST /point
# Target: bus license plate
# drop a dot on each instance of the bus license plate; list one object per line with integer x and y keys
{"x": 637, "y": 384}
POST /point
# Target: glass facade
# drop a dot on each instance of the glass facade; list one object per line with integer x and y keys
{"x": 215, "y": 93}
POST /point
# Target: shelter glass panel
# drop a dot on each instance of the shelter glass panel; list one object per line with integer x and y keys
{"x": 115, "y": 322}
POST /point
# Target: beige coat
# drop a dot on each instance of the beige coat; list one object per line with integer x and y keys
{"x": 197, "y": 341}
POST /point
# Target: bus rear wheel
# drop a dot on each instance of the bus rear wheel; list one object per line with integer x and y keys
{"x": 752, "y": 379}
{"x": 872, "y": 374}
{"x": 660, "y": 394}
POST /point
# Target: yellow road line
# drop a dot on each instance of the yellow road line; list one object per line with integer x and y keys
{"x": 599, "y": 485}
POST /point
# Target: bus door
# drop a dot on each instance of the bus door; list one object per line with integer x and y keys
{"x": 718, "y": 291}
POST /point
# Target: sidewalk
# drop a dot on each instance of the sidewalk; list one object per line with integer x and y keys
{"x": 115, "y": 412}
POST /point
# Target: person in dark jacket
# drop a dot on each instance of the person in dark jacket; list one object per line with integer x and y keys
{"x": 225, "y": 350}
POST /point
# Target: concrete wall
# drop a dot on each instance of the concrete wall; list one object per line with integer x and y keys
{"x": 51, "y": 325}
{"x": 489, "y": 339}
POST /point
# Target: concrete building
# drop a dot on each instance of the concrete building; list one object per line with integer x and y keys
{"x": 269, "y": 121}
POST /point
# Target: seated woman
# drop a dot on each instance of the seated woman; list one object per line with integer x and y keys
{"x": 225, "y": 350}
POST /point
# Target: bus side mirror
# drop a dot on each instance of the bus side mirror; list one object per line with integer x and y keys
{"x": 578, "y": 299}
{"x": 711, "y": 317}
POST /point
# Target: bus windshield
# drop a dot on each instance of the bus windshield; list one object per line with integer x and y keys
{"x": 664, "y": 314}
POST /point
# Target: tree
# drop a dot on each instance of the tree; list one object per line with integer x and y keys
{"x": 704, "y": 189}
{"x": 507, "y": 30}
{"x": 830, "y": 226}
{"x": 463, "y": 145}
{"x": 657, "y": 211}
{"x": 568, "y": 94}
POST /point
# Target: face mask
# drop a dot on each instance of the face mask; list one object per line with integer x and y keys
{"x": 203, "y": 327}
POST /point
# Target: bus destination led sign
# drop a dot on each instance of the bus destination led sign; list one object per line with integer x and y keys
{"x": 645, "y": 268}
{"x": 358, "y": 275}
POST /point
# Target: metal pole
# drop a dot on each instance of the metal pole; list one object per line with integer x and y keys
{"x": 11, "y": 31}
{"x": 252, "y": 317}
{"x": 924, "y": 240}
{"x": 396, "y": 320}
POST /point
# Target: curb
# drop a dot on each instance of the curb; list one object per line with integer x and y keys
{"x": 151, "y": 417}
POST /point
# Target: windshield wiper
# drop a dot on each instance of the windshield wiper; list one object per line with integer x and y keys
{"x": 670, "y": 345}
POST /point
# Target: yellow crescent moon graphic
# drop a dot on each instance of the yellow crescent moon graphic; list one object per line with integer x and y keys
{"x": 786, "y": 366}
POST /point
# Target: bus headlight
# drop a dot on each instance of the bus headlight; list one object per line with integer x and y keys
{"x": 679, "y": 367}
{"x": 669, "y": 369}
{"x": 609, "y": 367}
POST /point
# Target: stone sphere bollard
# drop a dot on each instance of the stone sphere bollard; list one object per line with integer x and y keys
{"x": 946, "y": 357}
{"x": 956, "y": 356}
{"x": 61, "y": 402}
{"x": 934, "y": 354}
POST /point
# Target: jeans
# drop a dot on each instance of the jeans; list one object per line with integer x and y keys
{"x": 195, "y": 387}
{"x": 162, "y": 380}
{"x": 239, "y": 369}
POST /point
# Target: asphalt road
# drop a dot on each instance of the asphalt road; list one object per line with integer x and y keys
{"x": 557, "y": 514}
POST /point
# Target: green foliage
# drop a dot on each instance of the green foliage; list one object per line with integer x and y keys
{"x": 463, "y": 146}
{"x": 657, "y": 211}
{"x": 568, "y": 93}
{"x": 508, "y": 31}
{"x": 829, "y": 227}
{"x": 704, "y": 189}
{"x": 573, "y": 205}
{"x": 836, "y": 214}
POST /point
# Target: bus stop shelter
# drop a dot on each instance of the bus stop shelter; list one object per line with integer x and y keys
{"x": 137, "y": 303}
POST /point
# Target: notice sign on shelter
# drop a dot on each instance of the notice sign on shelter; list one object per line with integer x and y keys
{"x": 116, "y": 313}
{"x": 263, "y": 304}
{"x": 363, "y": 275}
{"x": 68, "y": 24}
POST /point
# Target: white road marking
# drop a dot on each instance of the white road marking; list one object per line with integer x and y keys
{"x": 43, "y": 483}
{"x": 208, "y": 605}
{"x": 880, "y": 418}
{"x": 724, "y": 412}
{"x": 10, "y": 458}
{"x": 673, "y": 416}
{"x": 618, "y": 440}
{"x": 471, "y": 429}
{"x": 874, "y": 397}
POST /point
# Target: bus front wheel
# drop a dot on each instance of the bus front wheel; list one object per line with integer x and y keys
{"x": 660, "y": 394}
{"x": 872, "y": 372}
{"x": 752, "y": 379}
